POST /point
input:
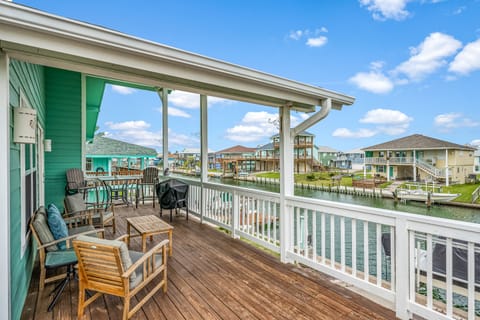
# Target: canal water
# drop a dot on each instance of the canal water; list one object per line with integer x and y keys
{"x": 437, "y": 210}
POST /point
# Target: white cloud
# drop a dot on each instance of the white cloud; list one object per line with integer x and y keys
{"x": 386, "y": 9}
{"x": 467, "y": 60}
{"x": 449, "y": 121}
{"x": 386, "y": 116}
{"x": 296, "y": 35}
{"x": 187, "y": 100}
{"x": 386, "y": 121}
{"x": 123, "y": 90}
{"x": 314, "y": 38}
{"x": 459, "y": 10}
{"x": 255, "y": 126}
{"x": 475, "y": 142}
{"x": 347, "y": 133}
{"x": 140, "y": 135}
{"x": 429, "y": 56}
{"x": 317, "y": 42}
{"x": 175, "y": 112}
{"x": 373, "y": 81}
{"x": 128, "y": 125}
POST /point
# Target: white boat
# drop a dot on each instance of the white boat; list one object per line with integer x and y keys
{"x": 422, "y": 195}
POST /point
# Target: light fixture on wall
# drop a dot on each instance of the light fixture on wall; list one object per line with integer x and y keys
{"x": 47, "y": 145}
{"x": 24, "y": 125}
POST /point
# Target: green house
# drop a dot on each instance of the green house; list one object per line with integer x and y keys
{"x": 58, "y": 67}
{"x": 108, "y": 155}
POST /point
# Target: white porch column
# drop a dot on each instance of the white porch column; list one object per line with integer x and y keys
{"x": 446, "y": 168}
{"x": 5, "y": 312}
{"x": 84, "y": 120}
{"x": 203, "y": 149}
{"x": 414, "y": 166}
{"x": 163, "y": 93}
{"x": 286, "y": 182}
{"x": 364, "y": 165}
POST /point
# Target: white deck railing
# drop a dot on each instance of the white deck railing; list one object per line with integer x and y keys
{"x": 420, "y": 274}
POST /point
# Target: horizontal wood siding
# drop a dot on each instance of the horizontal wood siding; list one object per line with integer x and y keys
{"x": 28, "y": 79}
{"x": 64, "y": 128}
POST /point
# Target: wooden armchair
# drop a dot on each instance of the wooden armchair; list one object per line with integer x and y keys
{"x": 107, "y": 266}
{"x": 51, "y": 255}
{"x": 102, "y": 211}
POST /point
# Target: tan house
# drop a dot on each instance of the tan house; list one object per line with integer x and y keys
{"x": 420, "y": 158}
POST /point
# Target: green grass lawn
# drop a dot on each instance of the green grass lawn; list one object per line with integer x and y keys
{"x": 465, "y": 190}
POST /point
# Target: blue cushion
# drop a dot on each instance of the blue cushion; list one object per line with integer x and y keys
{"x": 57, "y": 225}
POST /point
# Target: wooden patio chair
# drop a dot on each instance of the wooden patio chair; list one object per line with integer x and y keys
{"x": 101, "y": 209}
{"x": 108, "y": 267}
{"x": 147, "y": 184}
{"x": 51, "y": 255}
{"x": 76, "y": 182}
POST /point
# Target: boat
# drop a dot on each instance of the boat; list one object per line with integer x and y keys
{"x": 422, "y": 195}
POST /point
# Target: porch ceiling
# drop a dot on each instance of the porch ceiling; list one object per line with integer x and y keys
{"x": 46, "y": 39}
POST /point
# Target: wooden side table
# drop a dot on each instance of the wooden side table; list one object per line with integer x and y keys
{"x": 147, "y": 226}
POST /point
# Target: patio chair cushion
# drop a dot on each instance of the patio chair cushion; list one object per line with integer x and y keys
{"x": 60, "y": 258}
{"x": 75, "y": 202}
{"x": 123, "y": 249}
{"x": 135, "y": 256}
{"x": 57, "y": 225}
{"x": 82, "y": 229}
{"x": 43, "y": 231}
{"x": 106, "y": 216}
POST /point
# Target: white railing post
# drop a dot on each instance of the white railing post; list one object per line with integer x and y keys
{"x": 236, "y": 215}
{"x": 286, "y": 182}
{"x": 401, "y": 266}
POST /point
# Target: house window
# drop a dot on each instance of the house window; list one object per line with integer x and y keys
{"x": 29, "y": 155}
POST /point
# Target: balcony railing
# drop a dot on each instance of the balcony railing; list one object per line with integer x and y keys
{"x": 390, "y": 254}
{"x": 392, "y": 160}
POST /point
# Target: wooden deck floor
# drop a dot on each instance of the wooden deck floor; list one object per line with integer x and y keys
{"x": 212, "y": 276}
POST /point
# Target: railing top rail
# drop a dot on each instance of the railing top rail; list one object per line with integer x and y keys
{"x": 435, "y": 223}
{"x": 228, "y": 188}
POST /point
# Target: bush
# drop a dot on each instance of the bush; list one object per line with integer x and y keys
{"x": 311, "y": 177}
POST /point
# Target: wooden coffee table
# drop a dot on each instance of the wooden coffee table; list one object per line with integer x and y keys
{"x": 147, "y": 226}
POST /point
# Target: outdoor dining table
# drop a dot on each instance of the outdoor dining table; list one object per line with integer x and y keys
{"x": 122, "y": 188}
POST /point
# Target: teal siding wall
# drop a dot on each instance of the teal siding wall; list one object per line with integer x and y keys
{"x": 64, "y": 128}
{"x": 29, "y": 79}
{"x": 100, "y": 162}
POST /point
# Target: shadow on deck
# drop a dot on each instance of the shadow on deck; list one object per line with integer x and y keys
{"x": 212, "y": 276}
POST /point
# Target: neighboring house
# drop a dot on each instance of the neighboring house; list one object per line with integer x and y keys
{"x": 109, "y": 155}
{"x": 327, "y": 155}
{"x": 266, "y": 158}
{"x": 476, "y": 161}
{"x": 420, "y": 158}
{"x": 349, "y": 160}
{"x": 236, "y": 158}
{"x": 191, "y": 157}
{"x": 305, "y": 152}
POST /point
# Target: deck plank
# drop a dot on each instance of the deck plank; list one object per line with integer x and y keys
{"x": 212, "y": 276}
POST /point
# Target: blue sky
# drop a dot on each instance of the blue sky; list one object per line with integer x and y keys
{"x": 413, "y": 66}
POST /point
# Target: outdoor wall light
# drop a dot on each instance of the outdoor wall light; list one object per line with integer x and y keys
{"x": 47, "y": 145}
